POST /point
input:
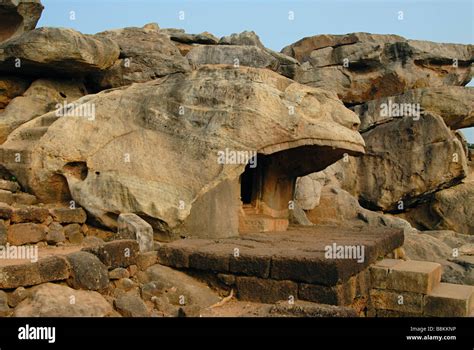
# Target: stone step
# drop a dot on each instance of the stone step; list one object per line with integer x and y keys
{"x": 450, "y": 300}
{"x": 298, "y": 254}
{"x": 261, "y": 223}
{"x": 406, "y": 276}
{"x": 16, "y": 152}
{"x": 32, "y": 134}
{"x": 47, "y": 120}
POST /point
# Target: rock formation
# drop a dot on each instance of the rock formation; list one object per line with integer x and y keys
{"x": 360, "y": 66}
{"x": 18, "y": 17}
{"x": 131, "y": 153}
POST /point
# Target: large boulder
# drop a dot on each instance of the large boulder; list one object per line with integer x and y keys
{"x": 57, "y": 51}
{"x": 54, "y": 300}
{"x": 362, "y": 67}
{"x": 44, "y": 95}
{"x": 454, "y": 208}
{"x": 159, "y": 153}
{"x": 452, "y": 103}
{"x": 18, "y": 16}
{"x": 250, "y": 56}
{"x": 407, "y": 159}
{"x": 145, "y": 54}
{"x": 248, "y": 38}
{"x": 243, "y": 55}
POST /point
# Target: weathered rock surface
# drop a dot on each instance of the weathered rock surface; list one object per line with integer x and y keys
{"x": 206, "y": 111}
{"x": 454, "y": 208}
{"x": 54, "y": 268}
{"x": 11, "y": 87}
{"x": 57, "y": 51}
{"x": 18, "y": 16}
{"x": 362, "y": 67}
{"x": 20, "y": 234}
{"x": 87, "y": 272}
{"x": 408, "y": 159}
{"x": 250, "y": 56}
{"x": 246, "y": 38}
{"x": 452, "y": 103}
{"x": 131, "y": 306}
{"x": 54, "y": 300}
{"x": 145, "y": 54}
{"x": 180, "y": 36}
{"x": 42, "y": 96}
{"x": 180, "y": 289}
{"x": 242, "y": 55}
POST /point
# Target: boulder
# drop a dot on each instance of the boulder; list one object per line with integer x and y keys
{"x": 44, "y": 95}
{"x": 242, "y": 55}
{"x": 246, "y": 38}
{"x": 131, "y": 306}
{"x": 452, "y": 103}
{"x": 360, "y": 66}
{"x": 191, "y": 121}
{"x": 425, "y": 247}
{"x": 18, "y": 17}
{"x": 145, "y": 54}
{"x": 181, "y": 289}
{"x": 131, "y": 226}
{"x": 180, "y": 36}
{"x": 406, "y": 160}
{"x": 87, "y": 272}
{"x": 57, "y": 51}
{"x": 236, "y": 55}
{"x": 454, "y": 209}
{"x": 287, "y": 65}
{"x": 54, "y": 300}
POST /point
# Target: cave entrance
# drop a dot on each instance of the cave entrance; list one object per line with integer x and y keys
{"x": 267, "y": 186}
{"x": 264, "y": 204}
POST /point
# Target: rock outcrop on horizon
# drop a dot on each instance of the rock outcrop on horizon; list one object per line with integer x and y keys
{"x": 360, "y": 66}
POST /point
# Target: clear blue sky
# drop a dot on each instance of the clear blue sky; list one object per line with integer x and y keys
{"x": 440, "y": 21}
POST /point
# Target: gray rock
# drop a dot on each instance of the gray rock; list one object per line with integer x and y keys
{"x": 131, "y": 306}
{"x": 55, "y": 233}
{"x": 131, "y": 226}
{"x": 87, "y": 272}
{"x": 246, "y": 38}
{"x": 146, "y": 54}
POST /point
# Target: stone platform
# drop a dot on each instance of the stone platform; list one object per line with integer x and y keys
{"x": 267, "y": 267}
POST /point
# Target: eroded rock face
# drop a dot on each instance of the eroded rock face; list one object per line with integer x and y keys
{"x": 18, "y": 16}
{"x": 145, "y": 54}
{"x": 406, "y": 160}
{"x": 157, "y": 155}
{"x": 41, "y": 97}
{"x": 243, "y": 55}
{"x": 453, "y": 103}
{"x": 57, "y": 51}
{"x": 248, "y": 38}
{"x": 11, "y": 87}
{"x": 454, "y": 208}
{"x": 362, "y": 67}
